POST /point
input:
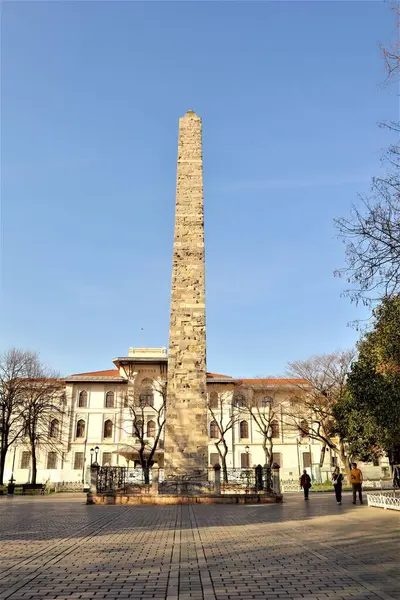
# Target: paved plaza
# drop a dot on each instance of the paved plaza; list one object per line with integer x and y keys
{"x": 59, "y": 548}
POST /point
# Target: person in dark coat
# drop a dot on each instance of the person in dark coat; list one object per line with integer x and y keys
{"x": 305, "y": 483}
{"x": 337, "y": 480}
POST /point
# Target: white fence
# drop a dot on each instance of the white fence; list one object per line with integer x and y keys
{"x": 390, "y": 500}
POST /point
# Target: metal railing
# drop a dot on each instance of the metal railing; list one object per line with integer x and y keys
{"x": 125, "y": 479}
{"x": 387, "y": 500}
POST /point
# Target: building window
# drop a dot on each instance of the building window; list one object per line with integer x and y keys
{"x": 110, "y": 400}
{"x": 245, "y": 460}
{"x": 108, "y": 429}
{"x": 334, "y": 461}
{"x": 375, "y": 461}
{"x": 82, "y": 400}
{"x": 146, "y": 398}
{"x": 239, "y": 401}
{"x": 243, "y": 429}
{"x": 126, "y": 401}
{"x": 266, "y": 402}
{"x": 214, "y": 433}
{"x": 151, "y": 429}
{"x": 54, "y": 428}
{"x": 213, "y": 400}
{"x": 214, "y": 459}
{"x": 275, "y": 429}
{"x": 78, "y": 461}
{"x": 80, "y": 428}
{"x": 52, "y": 460}
{"x": 25, "y": 459}
{"x": 277, "y": 458}
{"x": 106, "y": 459}
{"x": 304, "y": 429}
{"x": 306, "y": 460}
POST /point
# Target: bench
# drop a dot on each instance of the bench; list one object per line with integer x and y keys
{"x": 33, "y": 488}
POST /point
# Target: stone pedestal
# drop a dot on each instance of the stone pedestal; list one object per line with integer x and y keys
{"x": 276, "y": 483}
{"x": 186, "y": 436}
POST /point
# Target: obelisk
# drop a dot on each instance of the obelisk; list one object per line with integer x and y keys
{"x": 186, "y": 439}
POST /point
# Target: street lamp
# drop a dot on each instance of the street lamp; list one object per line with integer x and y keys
{"x": 247, "y": 449}
{"x": 96, "y": 449}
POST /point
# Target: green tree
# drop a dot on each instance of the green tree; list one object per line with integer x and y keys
{"x": 369, "y": 417}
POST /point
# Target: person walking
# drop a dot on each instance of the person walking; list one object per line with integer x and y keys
{"x": 305, "y": 483}
{"x": 337, "y": 480}
{"x": 356, "y": 478}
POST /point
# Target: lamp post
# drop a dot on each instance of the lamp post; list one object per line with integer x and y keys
{"x": 94, "y": 472}
{"x": 247, "y": 449}
{"x": 11, "y": 484}
{"x": 96, "y": 450}
{"x": 298, "y": 442}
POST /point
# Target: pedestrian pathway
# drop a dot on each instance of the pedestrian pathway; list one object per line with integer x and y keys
{"x": 58, "y": 548}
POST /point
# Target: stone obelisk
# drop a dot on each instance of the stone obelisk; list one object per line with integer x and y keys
{"x": 186, "y": 439}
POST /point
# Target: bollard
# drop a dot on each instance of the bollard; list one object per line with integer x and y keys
{"x": 217, "y": 479}
{"x": 276, "y": 484}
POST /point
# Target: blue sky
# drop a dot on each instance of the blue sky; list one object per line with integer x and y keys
{"x": 290, "y": 97}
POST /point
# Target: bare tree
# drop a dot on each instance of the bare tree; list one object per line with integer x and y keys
{"x": 263, "y": 407}
{"x": 43, "y": 402}
{"x": 14, "y": 366}
{"x": 372, "y": 232}
{"x": 148, "y": 421}
{"x": 311, "y": 410}
{"x": 224, "y": 415}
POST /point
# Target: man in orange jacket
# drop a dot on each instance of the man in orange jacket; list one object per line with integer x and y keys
{"x": 356, "y": 478}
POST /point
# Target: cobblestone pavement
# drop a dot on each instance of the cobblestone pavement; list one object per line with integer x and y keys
{"x": 59, "y": 548}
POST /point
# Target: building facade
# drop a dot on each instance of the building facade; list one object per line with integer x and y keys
{"x": 105, "y": 410}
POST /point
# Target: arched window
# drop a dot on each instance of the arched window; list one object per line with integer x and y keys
{"x": 266, "y": 402}
{"x": 239, "y": 401}
{"x": 82, "y": 400}
{"x": 275, "y": 429}
{"x": 214, "y": 433}
{"x": 151, "y": 429}
{"x": 110, "y": 400}
{"x": 213, "y": 400}
{"x": 80, "y": 428}
{"x": 108, "y": 429}
{"x": 304, "y": 429}
{"x": 146, "y": 397}
{"x": 244, "y": 429}
{"x": 54, "y": 428}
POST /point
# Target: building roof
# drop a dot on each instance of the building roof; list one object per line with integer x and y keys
{"x": 113, "y": 375}
{"x": 108, "y": 375}
{"x": 218, "y": 376}
{"x": 276, "y": 381}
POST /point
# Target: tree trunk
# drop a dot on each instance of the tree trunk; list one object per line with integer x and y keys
{"x": 34, "y": 464}
{"x": 146, "y": 474}
{"x": 224, "y": 469}
{"x": 344, "y": 460}
{"x": 3, "y": 455}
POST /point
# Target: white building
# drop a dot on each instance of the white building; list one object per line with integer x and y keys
{"x": 98, "y": 422}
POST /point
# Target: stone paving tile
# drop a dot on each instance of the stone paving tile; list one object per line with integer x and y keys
{"x": 58, "y": 549}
